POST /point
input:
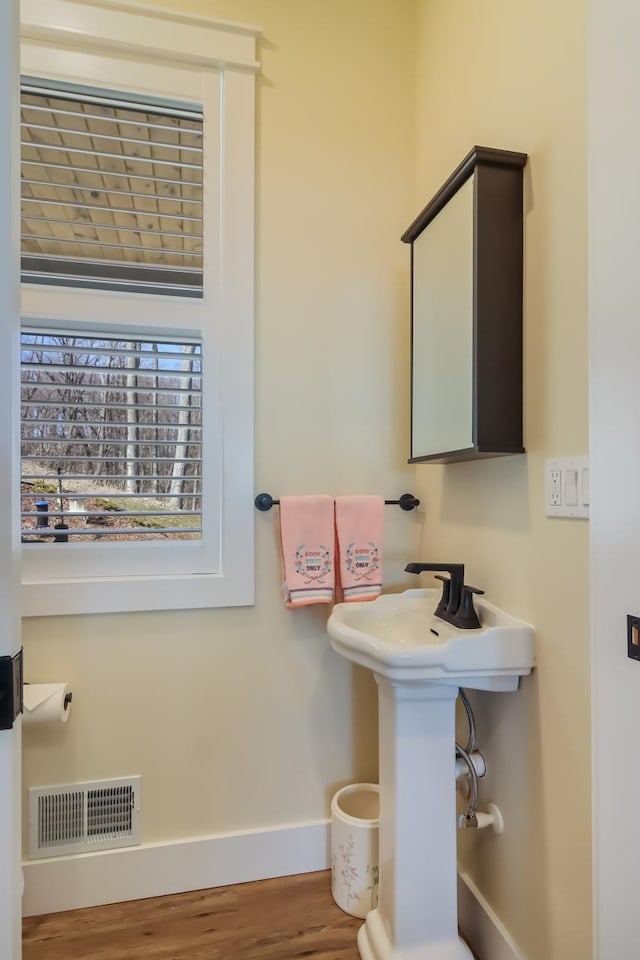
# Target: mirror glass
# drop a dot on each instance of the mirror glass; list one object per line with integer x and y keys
{"x": 442, "y": 351}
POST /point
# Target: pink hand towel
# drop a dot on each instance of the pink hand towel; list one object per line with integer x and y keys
{"x": 359, "y": 522}
{"x": 307, "y": 539}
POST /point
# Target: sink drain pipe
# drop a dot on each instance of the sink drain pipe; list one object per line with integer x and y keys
{"x": 477, "y": 759}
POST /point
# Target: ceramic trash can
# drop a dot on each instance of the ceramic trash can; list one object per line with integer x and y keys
{"x": 355, "y": 820}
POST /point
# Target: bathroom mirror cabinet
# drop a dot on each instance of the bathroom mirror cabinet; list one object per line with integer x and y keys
{"x": 466, "y": 312}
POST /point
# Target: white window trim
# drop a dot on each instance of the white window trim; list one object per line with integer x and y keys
{"x": 154, "y": 36}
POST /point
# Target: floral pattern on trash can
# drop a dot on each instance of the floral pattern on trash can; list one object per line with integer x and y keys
{"x": 354, "y": 851}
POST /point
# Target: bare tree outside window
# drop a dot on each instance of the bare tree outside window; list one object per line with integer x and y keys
{"x": 111, "y": 438}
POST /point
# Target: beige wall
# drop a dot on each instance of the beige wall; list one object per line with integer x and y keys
{"x": 245, "y": 718}
{"x": 239, "y": 719}
{"x": 511, "y": 74}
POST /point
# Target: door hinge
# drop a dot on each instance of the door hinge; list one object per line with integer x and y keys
{"x": 10, "y": 690}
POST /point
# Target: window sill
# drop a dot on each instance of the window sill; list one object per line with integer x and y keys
{"x": 130, "y": 594}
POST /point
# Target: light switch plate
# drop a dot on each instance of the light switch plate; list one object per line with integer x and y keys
{"x": 566, "y": 487}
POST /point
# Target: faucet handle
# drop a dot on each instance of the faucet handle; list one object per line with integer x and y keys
{"x": 466, "y": 617}
{"x": 444, "y": 599}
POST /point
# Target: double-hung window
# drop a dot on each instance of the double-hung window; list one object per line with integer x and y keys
{"x": 137, "y": 159}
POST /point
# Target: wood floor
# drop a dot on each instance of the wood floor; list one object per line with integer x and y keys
{"x": 289, "y": 918}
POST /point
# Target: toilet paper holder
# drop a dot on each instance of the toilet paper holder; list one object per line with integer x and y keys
{"x": 68, "y": 697}
{"x": 47, "y": 703}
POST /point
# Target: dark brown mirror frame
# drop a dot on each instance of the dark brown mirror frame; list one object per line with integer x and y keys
{"x": 498, "y": 221}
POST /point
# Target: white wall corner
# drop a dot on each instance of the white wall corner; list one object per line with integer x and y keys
{"x": 481, "y": 927}
{"x": 158, "y": 869}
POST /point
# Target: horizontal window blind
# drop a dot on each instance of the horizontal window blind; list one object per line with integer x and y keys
{"x": 111, "y": 433}
{"x": 112, "y": 194}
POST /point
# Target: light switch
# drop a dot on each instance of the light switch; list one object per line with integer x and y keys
{"x": 585, "y": 486}
{"x": 571, "y": 488}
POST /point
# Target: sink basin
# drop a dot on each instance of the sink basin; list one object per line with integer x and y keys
{"x": 398, "y": 637}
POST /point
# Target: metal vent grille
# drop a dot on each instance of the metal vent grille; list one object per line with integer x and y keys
{"x": 79, "y": 817}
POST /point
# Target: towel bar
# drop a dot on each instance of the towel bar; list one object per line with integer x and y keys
{"x": 264, "y": 501}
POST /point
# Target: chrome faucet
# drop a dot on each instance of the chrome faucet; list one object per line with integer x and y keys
{"x": 456, "y": 603}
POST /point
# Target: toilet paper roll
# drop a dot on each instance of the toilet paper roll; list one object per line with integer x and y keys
{"x": 46, "y": 703}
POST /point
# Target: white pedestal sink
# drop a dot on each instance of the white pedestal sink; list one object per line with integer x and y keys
{"x": 419, "y": 663}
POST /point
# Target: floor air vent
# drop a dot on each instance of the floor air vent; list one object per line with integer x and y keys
{"x": 80, "y": 817}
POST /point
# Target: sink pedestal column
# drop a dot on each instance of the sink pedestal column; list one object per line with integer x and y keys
{"x": 417, "y": 913}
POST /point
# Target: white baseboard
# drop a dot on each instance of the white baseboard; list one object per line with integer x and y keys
{"x": 481, "y": 927}
{"x": 157, "y": 869}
